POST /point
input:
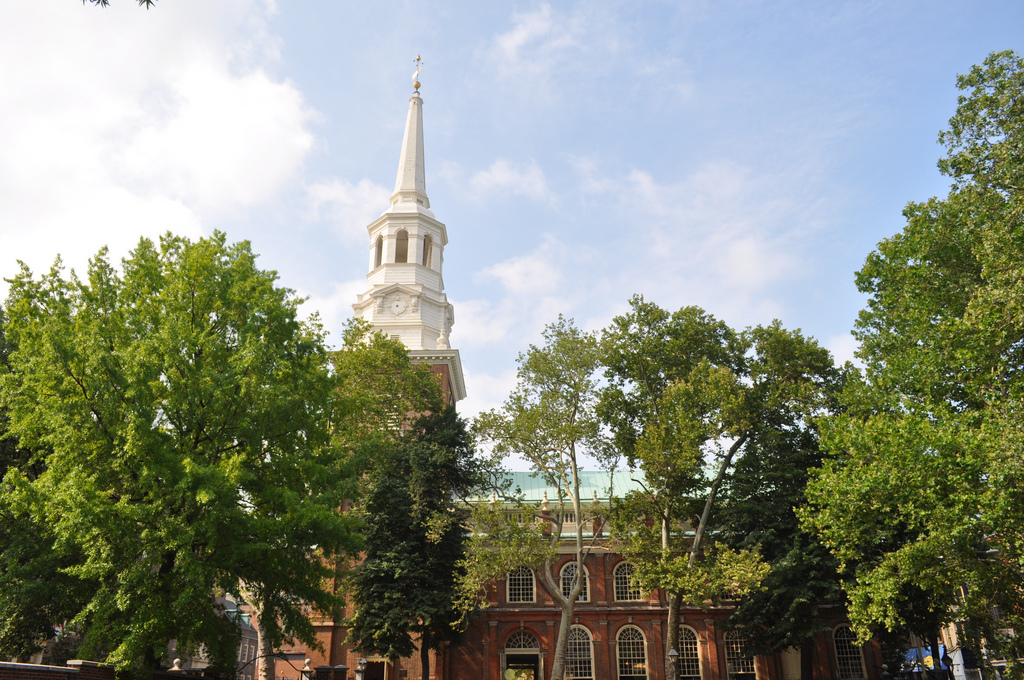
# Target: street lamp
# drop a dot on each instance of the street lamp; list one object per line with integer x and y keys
{"x": 360, "y": 668}
{"x": 673, "y": 658}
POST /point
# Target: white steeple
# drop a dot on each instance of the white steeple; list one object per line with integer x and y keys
{"x": 404, "y": 294}
{"x": 411, "y": 184}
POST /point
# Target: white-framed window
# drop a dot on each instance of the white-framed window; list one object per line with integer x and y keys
{"x": 631, "y": 648}
{"x": 522, "y": 640}
{"x": 737, "y": 664}
{"x": 579, "y": 656}
{"x": 378, "y": 252}
{"x": 625, "y": 583}
{"x": 570, "y": 573}
{"x": 520, "y": 585}
{"x": 688, "y": 661}
{"x": 849, "y": 657}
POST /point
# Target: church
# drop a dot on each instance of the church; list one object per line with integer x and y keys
{"x": 618, "y": 631}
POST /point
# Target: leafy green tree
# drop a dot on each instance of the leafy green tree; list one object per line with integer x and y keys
{"x": 415, "y": 540}
{"x": 550, "y": 420}
{"x": 761, "y": 496}
{"x": 685, "y": 388}
{"x": 925, "y": 495}
{"x": 35, "y": 591}
{"x": 181, "y": 413}
{"x": 379, "y": 391}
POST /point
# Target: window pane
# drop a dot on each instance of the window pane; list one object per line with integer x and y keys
{"x": 848, "y": 657}
{"x": 569, "y": 575}
{"x": 578, "y": 655}
{"x": 737, "y": 664}
{"x": 632, "y": 654}
{"x": 688, "y": 662}
{"x": 625, "y": 589}
{"x": 520, "y": 585}
{"x": 522, "y": 640}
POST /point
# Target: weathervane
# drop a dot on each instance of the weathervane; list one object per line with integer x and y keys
{"x": 416, "y": 73}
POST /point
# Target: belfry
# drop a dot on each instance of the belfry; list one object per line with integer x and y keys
{"x": 404, "y": 294}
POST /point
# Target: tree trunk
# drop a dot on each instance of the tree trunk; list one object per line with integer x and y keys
{"x": 807, "y": 659}
{"x": 562, "y": 643}
{"x": 698, "y": 537}
{"x": 425, "y": 655}
{"x": 935, "y": 673}
{"x": 674, "y": 603}
{"x": 263, "y": 655}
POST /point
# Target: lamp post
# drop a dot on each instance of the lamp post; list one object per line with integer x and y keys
{"x": 360, "y": 668}
{"x": 673, "y": 658}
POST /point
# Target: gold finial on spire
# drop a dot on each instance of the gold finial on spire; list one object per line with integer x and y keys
{"x": 416, "y": 73}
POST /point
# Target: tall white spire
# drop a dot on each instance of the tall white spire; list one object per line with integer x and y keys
{"x": 411, "y": 184}
{"x": 404, "y": 294}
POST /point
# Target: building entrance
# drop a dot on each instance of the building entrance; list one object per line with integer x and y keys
{"x": 522, "y": 667}
{"x": 374, "y": 670}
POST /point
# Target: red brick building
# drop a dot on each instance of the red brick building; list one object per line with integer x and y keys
{"x": 618, "y": 632}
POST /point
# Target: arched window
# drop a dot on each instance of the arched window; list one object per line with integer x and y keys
{"x": 378, "y": 252}
{"x": 569, "y": 575}
{"x": 688, "y": 662}
{"x": 579, "y": 656}
{"x": 520, "y": 585}
{"x": 428, "y": 251}
{"x": 522, "y": 640}
{"x": 632, "y": 653}
{"x": 402, "y": 246}
{"x": 740, "y": 667}
{"x": 625, "y": 585}
{"x": 849, "y": 659}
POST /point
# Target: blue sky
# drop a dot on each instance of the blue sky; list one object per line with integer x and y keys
{"x": 741, "y": 156}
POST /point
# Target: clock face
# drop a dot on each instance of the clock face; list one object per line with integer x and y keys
{"x": 397, "y": 304}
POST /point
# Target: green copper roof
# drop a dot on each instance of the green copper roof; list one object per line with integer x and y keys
{"x": 605, "y": 483}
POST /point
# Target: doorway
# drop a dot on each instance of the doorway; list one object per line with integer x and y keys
{"x": 374, "y": 670}
{"x": 521, "y": 667}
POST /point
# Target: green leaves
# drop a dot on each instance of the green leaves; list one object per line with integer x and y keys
{"x": 415, "y": 538}
{"x": 923, "y": 496}
{"x": 702, "y": 409}
{"x": 183, "y": 415}
{"x": 722, "y": 574}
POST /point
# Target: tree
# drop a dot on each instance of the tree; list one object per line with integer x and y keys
{"x": 685, "y": 388}
{"x": 182, "y": 416}
{"x": 35, "y": 591}
{"x": 925, "y": 495}
{"x": 415, "y": 540}
{"x": 761, "y": 496}
{"x": 550, "y": 420}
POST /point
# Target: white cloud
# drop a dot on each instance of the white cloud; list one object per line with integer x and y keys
{"x": 533, "y": 291}
{"x": 843, "y": 348}
{"x": 227, "y": 141}
{"x": 538, "y": 272}
{"x": 335, "y": 308}
{"x": 350, "y": 207}
{"x": 531, "y": 29}
{"x": 503, "y": 179}
{"x": 119, "y": 123}
{"x": 484, "y": 392}
{"x": 719, "y": 236}
{"x": 542, "y": 45}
